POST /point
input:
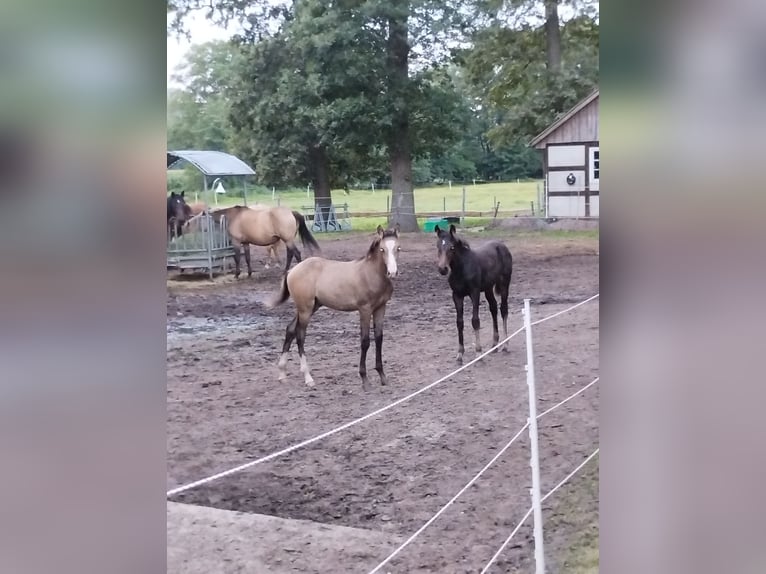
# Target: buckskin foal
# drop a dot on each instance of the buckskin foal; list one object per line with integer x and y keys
{"x": 362, "y": 285}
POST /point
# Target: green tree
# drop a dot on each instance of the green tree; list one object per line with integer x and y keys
{"x": 312, "y": 95}
{"x": 528, "y": 76}
{"x": 406, "y": 116}
{"x": 198, "y": 114}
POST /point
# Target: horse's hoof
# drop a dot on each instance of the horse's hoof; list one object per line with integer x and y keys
{"x": 309, "y": 382}
{"x": 460, "y": 359}
{"x": 383, "y": 380}
{"x": 505, "y": 349}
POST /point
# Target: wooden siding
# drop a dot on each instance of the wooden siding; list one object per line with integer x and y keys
{"x": 581, "y": 126}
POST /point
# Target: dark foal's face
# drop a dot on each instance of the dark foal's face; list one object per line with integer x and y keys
{"x": 177, "y": 207}
{"x": 446, "y": 244}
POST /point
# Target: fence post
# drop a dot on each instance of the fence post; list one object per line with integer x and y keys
{"x": 462, "y": 219}
{"x": 210, "y": 246}
{"x": 537, "y": 511}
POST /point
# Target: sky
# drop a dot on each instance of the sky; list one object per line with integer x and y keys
{"x": 201, "y": 31}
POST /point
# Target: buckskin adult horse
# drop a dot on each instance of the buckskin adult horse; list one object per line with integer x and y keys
{"x": 265, "y": 226}
{"x": 178, "y": 213}
{"x": 485, "y": 269}
{"x": 362, "y": 285}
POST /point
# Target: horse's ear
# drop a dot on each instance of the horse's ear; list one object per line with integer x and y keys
{"x": 172, "y": 194}
{"x": 380, "y": 230}
{"x": 182, "y": 192}
{"x": 437, "y": 229}
{"x": 452, "y": 229}
{"x": 396, "y": 229}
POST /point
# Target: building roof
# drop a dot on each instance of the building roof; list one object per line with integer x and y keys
{"x": 564, "y": 118}
{"x": 213, "y": 163}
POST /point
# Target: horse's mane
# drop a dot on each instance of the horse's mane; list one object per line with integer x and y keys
{"x": 376, "y": 243}
{"x": 462, "y": 242}
{"x": 458, "y": 241}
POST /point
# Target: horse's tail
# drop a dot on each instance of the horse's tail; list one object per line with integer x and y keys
{"x": 282, "y": 296}
{"x": 303, "y": 231}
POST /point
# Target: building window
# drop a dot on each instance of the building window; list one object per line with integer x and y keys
{"x": 595, "y": 164}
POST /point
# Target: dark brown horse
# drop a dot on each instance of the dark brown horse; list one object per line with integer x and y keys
{"x": 178, "y": 213}
{"x": 362, "y": 285}
{"x": 486, "y": 269}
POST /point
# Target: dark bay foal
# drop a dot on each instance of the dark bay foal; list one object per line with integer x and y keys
{"x": 486, "y": 269}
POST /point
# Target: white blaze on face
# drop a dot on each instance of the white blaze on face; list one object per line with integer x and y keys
{"x": 390, "y": 256}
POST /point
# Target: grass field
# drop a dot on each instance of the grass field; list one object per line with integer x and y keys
{"x": 480, "y": 197}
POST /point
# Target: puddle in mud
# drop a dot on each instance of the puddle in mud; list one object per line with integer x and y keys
{"x": 179, "y": 328}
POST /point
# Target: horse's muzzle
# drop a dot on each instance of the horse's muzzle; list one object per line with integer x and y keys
{"x": 443, "y": 270}
{"x": 392, "y": 275}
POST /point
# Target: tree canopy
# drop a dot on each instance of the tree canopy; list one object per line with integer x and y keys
{"x": 343, "y": 92}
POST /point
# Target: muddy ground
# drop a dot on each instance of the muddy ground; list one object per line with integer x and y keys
{"x": 392, "y": 473}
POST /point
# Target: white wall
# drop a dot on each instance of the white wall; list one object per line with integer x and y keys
{"x": 594, "y": 206}
{"x": 568, "y": 206}
{"x": 561, "y": 155}
{"x": 557, "y": 181}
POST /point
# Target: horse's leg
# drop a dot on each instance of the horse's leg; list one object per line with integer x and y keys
{"x": 289, "y": 336}
{"x": 275, "y": 249}
{"x": 300, "y": 335}
{"x": 237, "y": 246}
{"x": 504, "y": 313}
{"x": 475, "y": 323}
{"x": 377, "y": 318}
{"x": 493, "y": 311}
{"x": 272, "y": 255}
{"x": 458, "y": 300}
{"x": 364, "y": 333}
{"x": 246, "y": 247}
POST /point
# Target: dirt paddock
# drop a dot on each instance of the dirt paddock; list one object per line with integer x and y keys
{"x": 392, "y": 473}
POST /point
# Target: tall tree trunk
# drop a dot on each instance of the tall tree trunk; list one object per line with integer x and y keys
{"x": 320, "y": 176}
{"x": 400, "y": 147}
{"x": 553, "y": 35}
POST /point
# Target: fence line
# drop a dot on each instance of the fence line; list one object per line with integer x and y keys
{"x": 451, "y": 500}
{"x": 569, "y": 398}
{"x": 287, "y": 450}
{"x": 473, "y": 480}
{"x": 529, "y": 512}
{"x": 549, "y": 317}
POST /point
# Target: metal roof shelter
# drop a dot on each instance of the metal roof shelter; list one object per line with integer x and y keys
{"x": 212, "y": 164}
